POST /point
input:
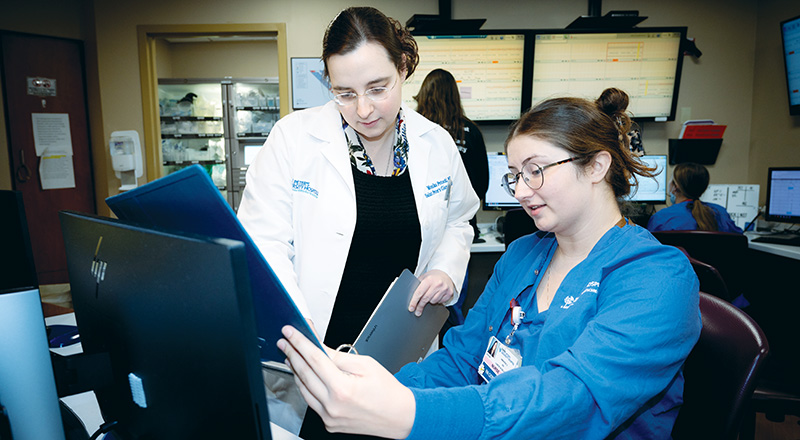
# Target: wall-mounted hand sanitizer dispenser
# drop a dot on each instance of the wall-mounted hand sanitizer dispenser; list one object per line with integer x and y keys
{"x": 126, "y": 157}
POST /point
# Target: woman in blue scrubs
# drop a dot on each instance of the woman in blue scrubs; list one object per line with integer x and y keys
{"x": 580, "y": 333}
{"x": 688, "y": 213}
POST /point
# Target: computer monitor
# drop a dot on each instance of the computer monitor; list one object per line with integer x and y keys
{"x": 783, "y": 195}
{"x": 790, "y": 35}
{"x": 497, "y": 198}
{"x": 644, "y": 62}
{"x": 175, "y": 316}
{"x": 488, "y": 68}
{"x": 309, "y": 86}
{"x": 651, "y": 190}
{"x": 27, "y": 387}
{"x": 17, "y": 269}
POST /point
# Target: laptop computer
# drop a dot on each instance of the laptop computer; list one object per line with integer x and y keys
{"x": 187, "y": 201}
{"x": 393, "y": 335}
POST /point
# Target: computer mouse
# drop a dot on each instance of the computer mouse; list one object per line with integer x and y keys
{"x": 62, "y": 335}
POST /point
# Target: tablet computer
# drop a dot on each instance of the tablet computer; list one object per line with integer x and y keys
{"x": 393, "y": 335}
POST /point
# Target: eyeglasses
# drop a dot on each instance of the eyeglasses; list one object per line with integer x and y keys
{"x": 375, "y": 94}
{"x": 532, "y": 174}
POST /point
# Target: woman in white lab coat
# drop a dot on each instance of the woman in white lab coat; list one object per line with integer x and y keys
{"x": 342, "y": 197}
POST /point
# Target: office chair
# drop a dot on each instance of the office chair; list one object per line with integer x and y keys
{"x": 710, "y": 279}
{"x": 724, "y": 250}
{"x": 721, "y": 372}
{"x": 775, "y": 401}
{"x": 516, "y": 224}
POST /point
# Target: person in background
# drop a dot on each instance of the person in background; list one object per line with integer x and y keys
{"x": 582, "y": 330}
{"x": 341, "y": 198}
{"x": 440, "y": 101}
{"x": 687, "y": 212}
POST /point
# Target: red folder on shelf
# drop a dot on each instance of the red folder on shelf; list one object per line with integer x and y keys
{"x": 705, "y": 131}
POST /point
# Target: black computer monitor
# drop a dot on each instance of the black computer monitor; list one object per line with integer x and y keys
{"x": 488, "y": 65}
{"x": 175, "y": 316}
{"x": 783, "y": 195}
{"x": 17, "y": 269}
{"x": 651, "y": 190}
{"x": 790, "y": 36}
{"x": 496, "y": 197}
{"x": 644, "y": 62}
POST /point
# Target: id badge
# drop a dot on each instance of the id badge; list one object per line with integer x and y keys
{"x": 498, "y": 359}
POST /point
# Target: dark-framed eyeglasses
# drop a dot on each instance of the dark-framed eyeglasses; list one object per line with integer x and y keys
{"x": 375, "y": 94}
{"x": 532, "y": 174}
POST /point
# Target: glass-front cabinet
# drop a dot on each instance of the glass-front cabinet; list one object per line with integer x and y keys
{"x": 217, "y": 123}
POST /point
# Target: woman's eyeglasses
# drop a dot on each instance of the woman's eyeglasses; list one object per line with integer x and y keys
{"x": 375, "y": 94}
{"x": 532, "y": 174}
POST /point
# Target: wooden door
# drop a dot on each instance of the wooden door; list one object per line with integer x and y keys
{"x": 45, "y": 76}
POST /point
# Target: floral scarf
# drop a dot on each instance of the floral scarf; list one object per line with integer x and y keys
{"x": 358, "y": 154}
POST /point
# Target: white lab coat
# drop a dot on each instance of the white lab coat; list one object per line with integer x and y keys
{"x": 299, "y": 204}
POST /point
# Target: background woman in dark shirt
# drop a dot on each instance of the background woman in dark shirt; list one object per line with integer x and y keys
{"x": 440, "y": 101}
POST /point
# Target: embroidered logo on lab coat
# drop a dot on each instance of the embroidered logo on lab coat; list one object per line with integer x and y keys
{"x": 437, "y": 187}
{"x": 570, "y": 300}
{"x": 305, "y": 187}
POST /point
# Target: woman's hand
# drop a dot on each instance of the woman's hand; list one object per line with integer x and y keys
{"x": 435, "y": 287}
{"x": 352, "y": 394}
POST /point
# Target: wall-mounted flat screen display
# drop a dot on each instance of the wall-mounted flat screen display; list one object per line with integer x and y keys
{"x": 790, "y": 33}
{"x": 644, "y": 62}
{"x": 487, "y": 67}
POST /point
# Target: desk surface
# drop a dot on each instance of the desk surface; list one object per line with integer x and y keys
{"x": 85, "y": 404}
{"x": 491, "y": 237}
{"x": 782, "y": 250}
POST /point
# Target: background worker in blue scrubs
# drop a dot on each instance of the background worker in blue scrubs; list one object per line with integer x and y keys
{"x": 688, "y": 212}
{"x": 581, "y": 332}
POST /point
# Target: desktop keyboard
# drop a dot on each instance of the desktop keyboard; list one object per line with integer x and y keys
{"x": 787, "y": 239}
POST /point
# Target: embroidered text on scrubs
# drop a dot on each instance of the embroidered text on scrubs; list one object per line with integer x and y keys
{"x": 570, "y": 300}
{"x": 302, "y": 186}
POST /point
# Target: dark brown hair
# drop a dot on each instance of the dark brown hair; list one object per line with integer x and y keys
{"x": 357, "y": 25}
{"x": 584, "y": 128}
{"x": 439, "y": 100}
{"x": 692, "y": 179}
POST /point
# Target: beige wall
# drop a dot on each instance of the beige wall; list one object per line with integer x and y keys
{"x": 775, "y": 139}
{"x": 736, "y": 81}
{"x": 252, "y": 59}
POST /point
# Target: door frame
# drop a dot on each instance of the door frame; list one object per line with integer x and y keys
{"x": 147, "y": 36}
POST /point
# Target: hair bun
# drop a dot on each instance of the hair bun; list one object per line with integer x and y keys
{"x": 613, "y": 102}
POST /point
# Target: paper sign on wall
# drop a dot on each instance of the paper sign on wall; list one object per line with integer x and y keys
{"x": 741, "y": 201}
{"x": 53, "y": 142}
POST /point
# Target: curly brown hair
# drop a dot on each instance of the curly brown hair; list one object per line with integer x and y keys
{"x": 357, "y": 25}
{"x": 584, "y": 128}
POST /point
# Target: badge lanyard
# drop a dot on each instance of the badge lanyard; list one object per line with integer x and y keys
{"x": 516, "y": 318}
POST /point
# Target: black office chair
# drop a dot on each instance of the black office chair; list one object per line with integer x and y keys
{"x": 724, "y": 250}
{"x": 721, "y": 372}
{"x": 516, "y": 224}
{"x": 775, "y": 401}
{"x": 710, "y": 279}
